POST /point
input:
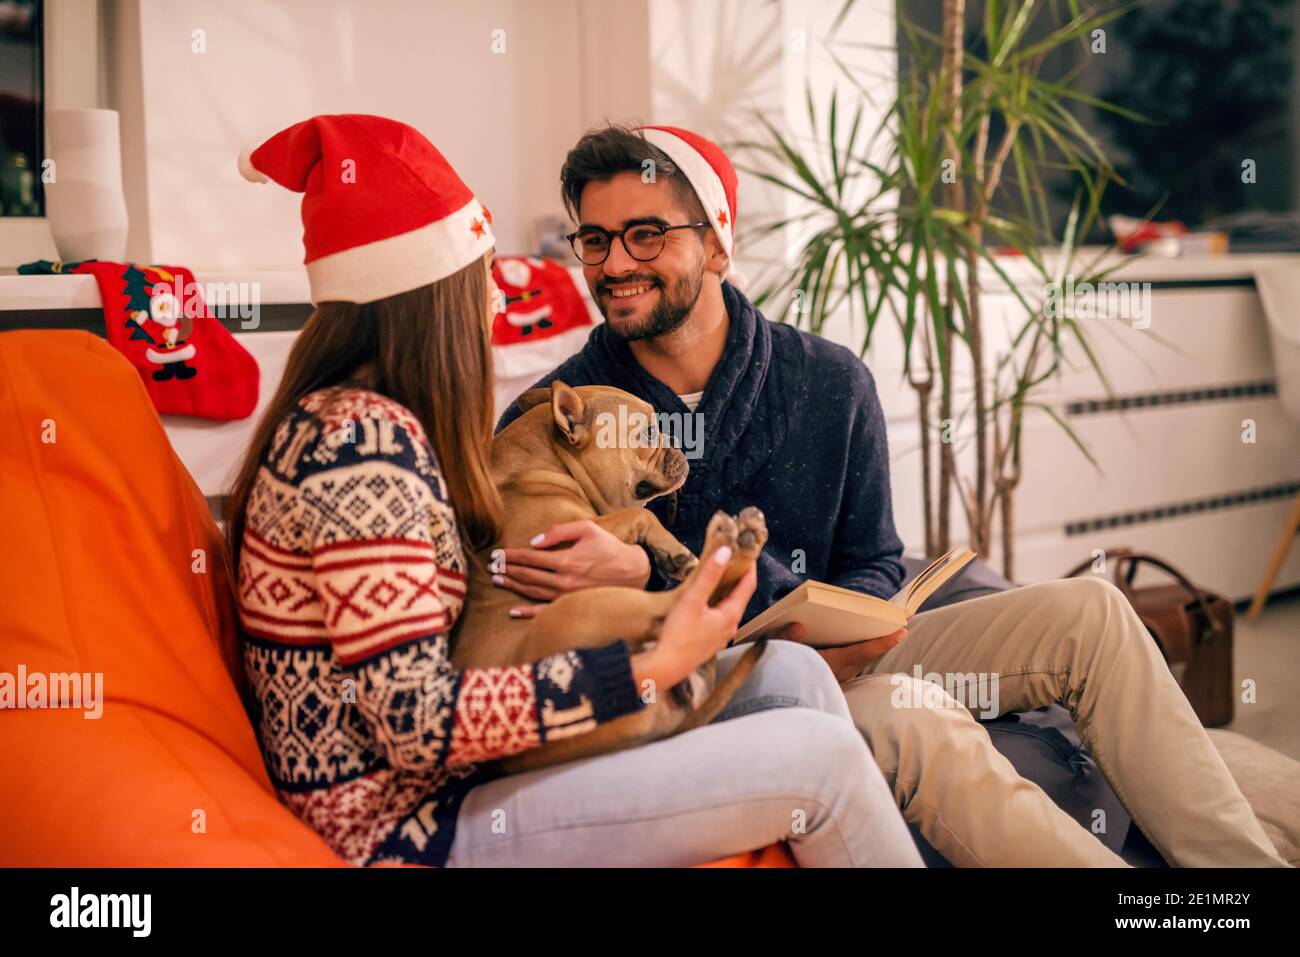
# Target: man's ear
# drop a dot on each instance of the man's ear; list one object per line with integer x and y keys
{"x": 571, "y": 413}
{"x": 716, "y": 259}
{"x": 533, "y": 398}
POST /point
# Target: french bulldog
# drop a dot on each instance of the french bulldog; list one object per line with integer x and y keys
{"x": 561, "y": 461}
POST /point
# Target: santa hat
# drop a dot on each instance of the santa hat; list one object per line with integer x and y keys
{"x": 708, "y": 171}
{"x": 382, "y": 211}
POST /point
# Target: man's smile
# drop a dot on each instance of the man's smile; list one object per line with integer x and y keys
{"x": 626, "y": 293}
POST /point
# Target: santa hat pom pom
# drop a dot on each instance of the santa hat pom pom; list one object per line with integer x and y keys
{"x": 249, "y": 171}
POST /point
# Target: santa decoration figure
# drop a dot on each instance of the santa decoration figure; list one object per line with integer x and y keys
{"x": 168, "y": 329}
{"x": 544, "y": 315}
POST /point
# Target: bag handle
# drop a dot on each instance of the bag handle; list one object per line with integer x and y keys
{"x": 1210, "y": 629}
{"x": 1121, "y": 552}
{"x": 1125, "y": 570}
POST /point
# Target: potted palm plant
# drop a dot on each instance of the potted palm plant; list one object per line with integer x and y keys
{"x": 902, "y": 221}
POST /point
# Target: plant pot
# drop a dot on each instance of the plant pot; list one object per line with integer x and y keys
{"x": 85, "y": 203}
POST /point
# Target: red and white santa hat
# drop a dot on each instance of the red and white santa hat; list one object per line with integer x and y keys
{"x": 709, "y": 172}
{"x": 383, "y": 212}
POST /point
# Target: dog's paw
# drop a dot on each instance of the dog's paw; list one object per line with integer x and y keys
{"x": 678, "y": 566}
{"x": 721, "y": 531}
{"x": 751, "y": 531}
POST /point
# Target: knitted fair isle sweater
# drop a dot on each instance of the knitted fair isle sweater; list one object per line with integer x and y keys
{"x": 351, "y": 575}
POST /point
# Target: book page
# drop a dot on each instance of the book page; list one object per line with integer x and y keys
{"x": 900, "y": 599}
{"x": 931, "y": 579}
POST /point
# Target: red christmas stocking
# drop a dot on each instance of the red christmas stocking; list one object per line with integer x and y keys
{"x": 157, "y": 318}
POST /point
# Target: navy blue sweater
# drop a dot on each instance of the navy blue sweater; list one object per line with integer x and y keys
{"x": 792, "y": 424}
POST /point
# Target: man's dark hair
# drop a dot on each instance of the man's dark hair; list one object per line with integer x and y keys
{"x": 602, "y": 153}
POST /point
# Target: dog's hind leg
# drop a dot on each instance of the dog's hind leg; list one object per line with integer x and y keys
{"x": 746, "y": 534}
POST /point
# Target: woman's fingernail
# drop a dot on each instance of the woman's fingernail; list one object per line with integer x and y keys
{"x": 498, "y": 579}
{"x": 516, "y": 613}
{"x": 722, "y": 555}
{"x": 537, "y": 539}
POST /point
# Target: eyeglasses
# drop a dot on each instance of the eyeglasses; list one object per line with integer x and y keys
{"x": 643, "y": 241}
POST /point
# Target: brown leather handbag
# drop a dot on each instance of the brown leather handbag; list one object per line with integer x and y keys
{"x": 1191, "y": 626}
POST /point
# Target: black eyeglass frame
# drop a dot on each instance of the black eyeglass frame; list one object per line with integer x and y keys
{"x": 622, "y": 237}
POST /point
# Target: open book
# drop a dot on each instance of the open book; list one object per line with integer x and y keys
{"x": 837, "y": 616}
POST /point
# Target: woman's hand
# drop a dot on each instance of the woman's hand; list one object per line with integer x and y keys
{"x": 693, "y": 632}
{"x": 596, "y": 557}
{"x": 847, "y": 661}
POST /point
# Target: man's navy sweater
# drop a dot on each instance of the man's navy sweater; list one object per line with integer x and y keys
{"x": 791, "y": 424}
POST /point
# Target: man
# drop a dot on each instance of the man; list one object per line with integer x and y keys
{"x": 792, "y": 424}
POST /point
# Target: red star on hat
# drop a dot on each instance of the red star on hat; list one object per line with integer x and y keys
{"x": 476, "y": 227}
{"x": 722, "y": 217}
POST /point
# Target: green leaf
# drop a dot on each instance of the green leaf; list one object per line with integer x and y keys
{"x": 1065, "y": 426}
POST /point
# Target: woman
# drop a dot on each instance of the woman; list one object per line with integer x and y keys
{"x": 368, "y": 480}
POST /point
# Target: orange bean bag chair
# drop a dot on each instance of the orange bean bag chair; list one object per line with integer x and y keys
{"x": 113, "y": 567}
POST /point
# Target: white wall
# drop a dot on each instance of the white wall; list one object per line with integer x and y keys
{"x": 504, "y": 120}
{"x": 715, "y": 64}
{"x": 718, "y": 65}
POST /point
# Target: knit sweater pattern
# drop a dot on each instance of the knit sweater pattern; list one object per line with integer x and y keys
{"x": 351, "y": 577}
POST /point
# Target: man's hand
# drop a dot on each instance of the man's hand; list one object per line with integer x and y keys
{"x": 846, "y": 661}
{"x": 595, "y": 557}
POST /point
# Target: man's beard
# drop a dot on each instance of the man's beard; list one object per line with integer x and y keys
{"x": 673, "y": 309}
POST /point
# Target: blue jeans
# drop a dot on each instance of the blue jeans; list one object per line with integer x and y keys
{"x": 782, "y": 763}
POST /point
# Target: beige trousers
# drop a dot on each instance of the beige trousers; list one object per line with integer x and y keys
{"x": 1077, "y": 641}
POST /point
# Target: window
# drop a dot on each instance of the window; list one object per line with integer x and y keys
{"x": 22, "y": 125}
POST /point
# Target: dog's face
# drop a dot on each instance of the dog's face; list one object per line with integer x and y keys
{"x": 615, "y": 440}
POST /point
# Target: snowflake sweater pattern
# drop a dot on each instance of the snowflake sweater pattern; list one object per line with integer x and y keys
{"x": 351, "y": 576}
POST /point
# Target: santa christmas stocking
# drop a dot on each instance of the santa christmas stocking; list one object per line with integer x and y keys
{"x": 156, "y": 317}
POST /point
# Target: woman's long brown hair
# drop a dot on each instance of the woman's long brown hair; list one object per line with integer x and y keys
{"x": 428, "y": 349}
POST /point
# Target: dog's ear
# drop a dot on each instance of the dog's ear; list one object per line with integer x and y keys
{"x": 533, "y": 398}
{"x": 571, "y": 413}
